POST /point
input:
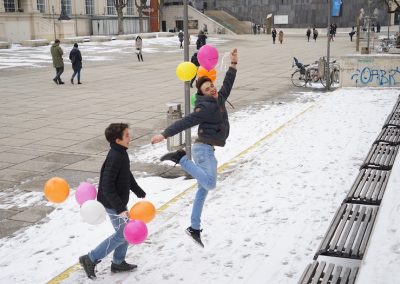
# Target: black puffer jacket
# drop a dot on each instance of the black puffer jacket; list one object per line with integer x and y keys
{"x": 76, "y": 59}
{"x": 116, "y": 180}
{"x": 210, "y": 114}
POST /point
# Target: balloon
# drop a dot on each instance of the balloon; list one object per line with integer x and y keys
{"x": 186, "y": 71}
{"x": 93, "y": 212}
{"x": 203, "y": 72}
{"x": 208, "y": 56}
{"x": 193, "y": 98}
{"x": 135, "y": 232}
{"x": 143, "y": 211}
{"x": 85, "y": 191}
{"x": 56, "y": 190}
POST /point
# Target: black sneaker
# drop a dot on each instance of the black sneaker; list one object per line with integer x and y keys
{"x": 88, "y": 266}
{"x": 173, "y": 156}
{"x": 72, "y": 81}
{"x": 122, "y": 267}
{"x": 61, "y": 83}
{"x": 195, "y": 234}
{"x": 55, "y": 81}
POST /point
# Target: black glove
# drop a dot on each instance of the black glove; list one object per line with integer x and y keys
{"x": 140, "y": 193}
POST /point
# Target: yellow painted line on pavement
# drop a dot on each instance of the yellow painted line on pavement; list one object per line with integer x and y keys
{"x": 65, "y": 274}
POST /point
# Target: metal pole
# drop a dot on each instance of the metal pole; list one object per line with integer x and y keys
{"x": 328, "y": 51}
{"x": 188, "y": 133}
{"x": 358, "y": 35}
{"x": 54, "y": 23}
{"x": 76, "y": 20}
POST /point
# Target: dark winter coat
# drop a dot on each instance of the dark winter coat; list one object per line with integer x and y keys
{"x": 56, "y": 55}
{"x": 194, "y": 59}
{"x": 116, "y": 180}
{"x": 180, "y": 36}
{"x": 76, "y": 59}
{"x": 210, "y": 114}
{"x": 201, "y": 40}
{"x": 273, "y": 33}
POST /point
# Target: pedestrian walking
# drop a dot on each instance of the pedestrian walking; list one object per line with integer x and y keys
{"x": 58, "y": 62}
{"x": 378, "y": 27}
{"x": 180, "y": 36}
{"x": 280, "y": 36}
{"x": 315, "y": 34}
{"x": 331, "y": 32}
{"x": 273, "y": 35}
{"x": 352, "y": 33}
{"x": 116, "y": 181}
{"x": 195, "y": 61}
{"x": 201, "y": 39}
{"x": 211, "y": 116}
{"x": 308, "y": 34}
{"x": 139, "y": 45}
{"x": 76, "y": 59}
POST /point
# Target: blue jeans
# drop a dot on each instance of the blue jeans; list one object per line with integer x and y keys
{"x": 115, "y": 242}
{"x": 204, "y": 170}
{"x": 77, "y": 72}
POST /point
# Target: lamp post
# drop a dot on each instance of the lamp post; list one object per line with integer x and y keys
{"x": 54, "y": 23}
{"x": 328, "y": 51}
{"x": 188, "y": 133}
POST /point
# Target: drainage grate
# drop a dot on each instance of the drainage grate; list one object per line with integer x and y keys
{"x": 390, "y": 135}
{"x": 349, "y": 232}
{"x": 368, "y": 187}
{"x": 319, "y": 273}
{"x": 381, "y": 156}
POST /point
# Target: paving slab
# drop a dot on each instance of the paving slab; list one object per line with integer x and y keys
{"x": 32, "y": 215}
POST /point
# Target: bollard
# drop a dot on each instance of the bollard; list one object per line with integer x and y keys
{"x": 174, "y": 113}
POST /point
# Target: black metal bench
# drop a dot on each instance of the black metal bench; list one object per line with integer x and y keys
{"x": 368, "y": 187}
{"x": 389, "y": 135}
{"x": 381, "y": 156}
{"x": 319, "y": 273}
{"x": 349, "y": 231}
{"x": 393, "y": 119}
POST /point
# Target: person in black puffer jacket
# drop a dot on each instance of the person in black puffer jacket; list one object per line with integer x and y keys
{"x": 76, "y": 60}
{"x": 211, "y": 116}
{"x": 116, "y": 182}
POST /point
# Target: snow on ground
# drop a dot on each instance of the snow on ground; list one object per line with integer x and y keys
{"x": 34, "y": 57}
{"x": 263, "y": 222}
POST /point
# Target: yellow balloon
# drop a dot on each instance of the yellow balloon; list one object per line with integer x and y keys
{"x": 186, "y": 71}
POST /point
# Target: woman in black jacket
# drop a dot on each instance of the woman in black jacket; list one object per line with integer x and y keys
{"x": 211, "y": 116}
{"x": 76, "y": 60}
{"x": 116, "y": 182}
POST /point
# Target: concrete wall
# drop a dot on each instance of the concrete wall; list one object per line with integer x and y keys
{"x": 173, "y": 13}
{"x": 370, "y": 71}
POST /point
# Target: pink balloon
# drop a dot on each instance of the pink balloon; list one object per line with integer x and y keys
{"x": 208, "y": 56}
{"x": 85, "y": 191}
{"x": 135, "y": 232}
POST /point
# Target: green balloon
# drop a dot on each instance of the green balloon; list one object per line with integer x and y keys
{"x": 193, "y": 98}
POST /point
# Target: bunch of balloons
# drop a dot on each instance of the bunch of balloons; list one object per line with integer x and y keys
{"x": 142, "y": 212}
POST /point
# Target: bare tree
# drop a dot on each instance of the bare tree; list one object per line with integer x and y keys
{"x": 140, "y": 7}
{"x": 119, "y": 5}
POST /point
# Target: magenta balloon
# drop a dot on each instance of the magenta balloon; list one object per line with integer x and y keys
{"x": 85, "y": 191}
{"x": 135, "y": 232}
{"x": 208, "y": 56}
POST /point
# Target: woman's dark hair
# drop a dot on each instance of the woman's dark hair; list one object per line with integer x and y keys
{"x": 200, "y": 83}
{"x": 75, "y": 44}
{"x": 115, "y": 131}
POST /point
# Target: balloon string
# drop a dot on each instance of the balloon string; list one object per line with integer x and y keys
{"x": 124, "y": 219}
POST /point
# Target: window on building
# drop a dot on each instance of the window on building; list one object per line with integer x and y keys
{"x": 9, "y": 5}
{"x": 89, "y": 5}
{"x": 40, "y": 6}
{"x": 68, "y": 7}
{"x": 111, "y": 7}
{"x": 130, "y": 7}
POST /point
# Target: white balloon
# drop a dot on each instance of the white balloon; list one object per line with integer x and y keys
{"x": 93, "y": 212}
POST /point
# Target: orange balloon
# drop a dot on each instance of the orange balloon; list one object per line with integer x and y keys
{"x": 143, "y": 211}
{"x": 56, "y": 190}
{"x": 212, "y": 74}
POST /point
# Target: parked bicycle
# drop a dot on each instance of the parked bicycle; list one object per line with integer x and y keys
{"x": 309, "y": 74}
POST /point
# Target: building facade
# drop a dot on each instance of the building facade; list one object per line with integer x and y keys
{"x": 39, "y": 19}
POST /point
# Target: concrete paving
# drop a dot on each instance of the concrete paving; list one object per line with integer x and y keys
{"x": 49, "y": 130}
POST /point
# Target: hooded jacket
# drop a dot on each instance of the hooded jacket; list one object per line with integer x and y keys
{"x": 56, "y": 54}
{"x": 210, "y": 114}
{"x": 76, "y": 58}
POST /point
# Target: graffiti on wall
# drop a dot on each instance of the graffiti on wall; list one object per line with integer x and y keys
{"x": 379, "y": 77}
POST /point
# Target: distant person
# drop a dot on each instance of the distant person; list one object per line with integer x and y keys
{"x": 195, "y": 61}
{"x": 280, "y": 36}
{"x": 315, "y": 34}
{"x": 352, "y": 33}
{"x": 334, "y": 29}
{"x": 115, "y": 184}
{"x": 58, "y": 62}
{"x": 180, "y": 36}
{"x": 201, "y": 39}
{"x": 254, "y": 29}
{"x": 378, "y": 27}
{"x": 331, "y": 32}
{"x": 373, "y": 27}
{"x": 76, "y": 60}
{"x": 273, "y": 33}
{"x": 308, "y": 34}
{"x": 139, "y": 45}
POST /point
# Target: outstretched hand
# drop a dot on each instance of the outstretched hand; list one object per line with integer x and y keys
{"x": 234, "y": 57}
{"x": 157, "y": 138}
